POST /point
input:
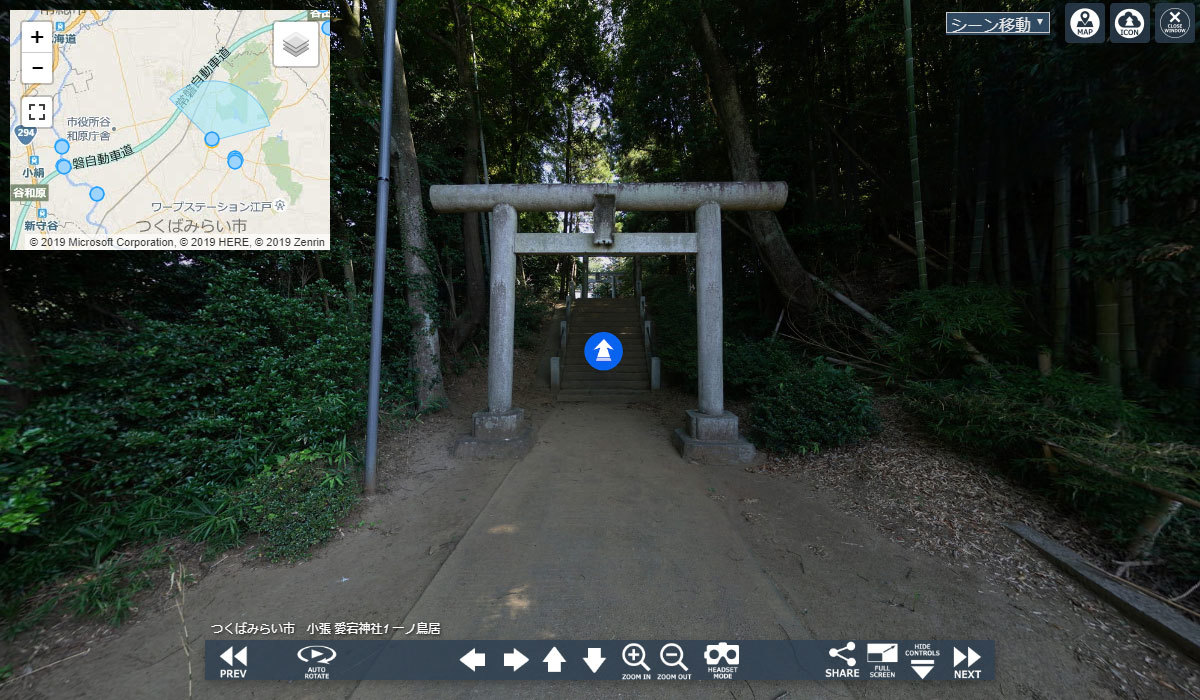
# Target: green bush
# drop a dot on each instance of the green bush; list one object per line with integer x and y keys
{"x": 673, "y": 309}
{"x": 811, "y": 408}
{"x": 531, "y": 313}
{"x": 1011, "y": 413}
{"x": 928, "y": 324}
{"x": 23, "y": 487}
{"x": 751, "y": 365}
{"x": 1107, "y": 441}
{"x": 297, "y": 503}
{"x": 146, "y": 432}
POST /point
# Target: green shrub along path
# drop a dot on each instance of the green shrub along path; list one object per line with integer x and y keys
{"x": 229, "y": 422}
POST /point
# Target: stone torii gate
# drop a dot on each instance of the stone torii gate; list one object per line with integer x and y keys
{"x": 711, "y": 433}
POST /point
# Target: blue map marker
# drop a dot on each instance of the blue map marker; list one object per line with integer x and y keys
{"x": 603, "y": 351}
{"x": 96, "y": 193}
{"x": 61, "y": 147}
{"x": 63, "y": 166}
{"x": 211, "y": 139}
{"x": 234, "y": 160}
{"x": 325, "y": 27}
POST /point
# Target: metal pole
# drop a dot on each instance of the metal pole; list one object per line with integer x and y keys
{"x": 381, "y": 220}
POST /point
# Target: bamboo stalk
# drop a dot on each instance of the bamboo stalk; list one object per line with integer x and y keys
{"x": 1147, "y": 591}
{"x": 1002, "y": 235}
{"x": 913, "y": 160}
{"x": 954, "y": 192}
{"x": 43, "y": 668}
{"x": 976, "y": 356}
{"x": 977, "y": 234}
{"x": 1151, "y": 526}
{"x": 1062, "y": 248}
{"x": 910, "y": 249}
{"x": 1158, "y": 490}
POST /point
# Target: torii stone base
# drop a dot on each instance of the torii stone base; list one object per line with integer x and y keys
{"x": 712, "y": 439}
{"x": 505, "y": 435}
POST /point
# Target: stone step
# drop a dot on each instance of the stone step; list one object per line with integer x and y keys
{"x": 600, "y": 396}
{"x": 643, "y": 383}
{"x": 613, "y": 376}
{"x": 622, "y": 368}
{"x": 628, "y": 346}
{"x": 575, "y": 359}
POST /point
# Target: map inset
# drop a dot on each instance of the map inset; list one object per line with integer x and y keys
{"x": 148, "y": 129}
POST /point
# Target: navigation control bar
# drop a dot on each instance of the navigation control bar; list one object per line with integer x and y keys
{"x": 625, "y": 660}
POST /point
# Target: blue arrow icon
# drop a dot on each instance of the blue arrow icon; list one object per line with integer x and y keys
{"x": 603, "y": 351}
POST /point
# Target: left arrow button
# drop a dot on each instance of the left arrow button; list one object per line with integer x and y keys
{"x": 474, "y": 659}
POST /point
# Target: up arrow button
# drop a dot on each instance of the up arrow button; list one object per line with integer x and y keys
{"x": 554, "y": 661}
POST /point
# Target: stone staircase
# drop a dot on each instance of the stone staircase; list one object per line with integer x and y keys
{"x": 630, "y": 380}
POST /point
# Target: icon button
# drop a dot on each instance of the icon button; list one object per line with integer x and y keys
{"x": 1130, "y": 23}
{"x": 850, "y": 660}
{"x": 37, "y": 68}
{"x": 722, "y": 653}
{"x": 474, "y": 659}
{"x": 634, "y": 655}
{"x": 515, "y": 659}
{"x": 970, "y": 657}
{"x": 922, "y": 667}
{"x": 554, "y": 661}
{"x": 36, "y": 37}
{"x": 295, "y": 44}
{"x": 37, "y": 110}
{"x": 1175, "y": 23}
{"x": 594, "y": 659}
{"x": 672, "y": 655}
{"x": 1085, "y": 23}
{"x": 603, "y": 351}
{"x": 229, "y": 656}
{"x": 882, "y": 653}
{"x": 317, "y": 654}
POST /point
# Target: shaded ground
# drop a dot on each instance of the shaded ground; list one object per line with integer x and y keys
{"x": 894, "y": 539}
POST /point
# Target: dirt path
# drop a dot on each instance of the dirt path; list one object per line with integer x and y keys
{"x": 835, "y": 546}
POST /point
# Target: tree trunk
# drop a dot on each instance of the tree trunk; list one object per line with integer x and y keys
{"x": 476, "y": 311}
{"x": 1108, "y": 324}
{"x": 1002, "y": 244}
{"x": 981, "y": 188}
{"x": 20, "y": 353}
{"x": 954, "y": 193}
{"x": 782, "y": 262}
{"x": 349, "y": 32}
{"x": 914, "y": 163}
{"x": 426, "y": 357}
{"x": 1036, "y": 263}
{"x": 1120, "y": 217}
{"x": 321, "y": 276}
{"x": 351, "y": 287}
{"x": 1108, "y": 332}
{"x": 1062, "y": 249}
